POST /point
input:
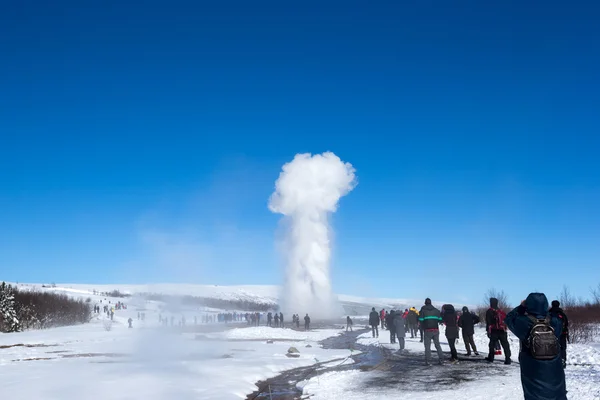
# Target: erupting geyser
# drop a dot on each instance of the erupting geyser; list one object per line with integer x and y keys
{"x": 307, "y": 191}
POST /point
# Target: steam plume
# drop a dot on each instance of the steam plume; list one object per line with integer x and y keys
{"x": 306, "y": 193}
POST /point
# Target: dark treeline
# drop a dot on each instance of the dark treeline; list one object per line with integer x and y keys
{"x": 241, "y": 305}
{"x": 31, "y": 309}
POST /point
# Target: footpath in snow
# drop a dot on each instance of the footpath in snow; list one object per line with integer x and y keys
{"x": 472, "y": 378}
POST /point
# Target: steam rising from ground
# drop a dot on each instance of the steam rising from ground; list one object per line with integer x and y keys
{"x": 306, "y": 193}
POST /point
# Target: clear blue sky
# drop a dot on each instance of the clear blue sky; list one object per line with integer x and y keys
{"x": 140, "y": 141}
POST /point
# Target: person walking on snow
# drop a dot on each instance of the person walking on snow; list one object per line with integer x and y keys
{"x": 374, "y": 322}
{"x": 398, "y": 323}
{"x": 467, "y": 322}
{"x": 130, "y": 322}
{"x": 276, "y": 320}
{"x": 389, "y": 321}
{"x": 413, "y": 321}
{"x": 430, "y": 318}
{"x": 557, "y": 312}
{"x": 450, "y": 320}
{"x": 306, "y": 322}
{"x": 542, "y": 374}
{"x": 382, "y": 318}
{"x": 348, "y": 323}
{"x": 496, "y": 330}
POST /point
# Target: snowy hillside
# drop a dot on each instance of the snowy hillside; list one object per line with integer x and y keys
{"x": 258, "y": 294}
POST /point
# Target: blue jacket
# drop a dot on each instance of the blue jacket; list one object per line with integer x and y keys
{"x": 541, "y": 380}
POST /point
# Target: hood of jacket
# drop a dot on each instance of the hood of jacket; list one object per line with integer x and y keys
{"x": 449, "y": 308}
{"x": 465, "y": 309}
{"x": 494, "y": 303}
{"x": 536, "y": 304}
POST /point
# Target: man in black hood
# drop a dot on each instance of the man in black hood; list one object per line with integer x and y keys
{"x": 496, "y": 330}
{"x": 374, "y": 322}
{"x": 450, "y": 320}
{"x": 430, "y": 319}
{"x": 557, "y": 312}
{"x": 541, "y": 379}
{"x": 467, "y": 322}
{"x": 389, "y": 321}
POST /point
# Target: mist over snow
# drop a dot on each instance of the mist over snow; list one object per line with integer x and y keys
{"x": 307, "y": 192}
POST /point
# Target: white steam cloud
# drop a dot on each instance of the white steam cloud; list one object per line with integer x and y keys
{"x": 306, "y": 193}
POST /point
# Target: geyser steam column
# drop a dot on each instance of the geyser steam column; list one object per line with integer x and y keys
{"x": 307, "y": 191}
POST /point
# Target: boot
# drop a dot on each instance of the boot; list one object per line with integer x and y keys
{"x": 508, "y": 361}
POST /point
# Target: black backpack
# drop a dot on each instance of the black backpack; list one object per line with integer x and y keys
{"x": 542, "y": 342}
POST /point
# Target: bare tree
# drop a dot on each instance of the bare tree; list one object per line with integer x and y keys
{"x": 497, "y": 294}
{"x": 567, "y": 300}
{"x": 596, "y": 295}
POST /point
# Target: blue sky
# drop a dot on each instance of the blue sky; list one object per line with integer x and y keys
{"x": 140, "y": 141}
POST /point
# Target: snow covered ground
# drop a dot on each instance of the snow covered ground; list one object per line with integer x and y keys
{"x": 502, "y": 382}
{"x": 88, "y": 362}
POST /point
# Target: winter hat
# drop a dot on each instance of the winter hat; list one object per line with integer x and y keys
{"x": 373, "y": 309}
{"x": 428, "y": 301}
{"x": 555, "y": 303}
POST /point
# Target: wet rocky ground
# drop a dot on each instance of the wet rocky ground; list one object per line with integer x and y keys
{"x": 384, "y": 368}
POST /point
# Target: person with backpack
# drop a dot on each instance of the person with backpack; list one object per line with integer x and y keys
{"x": 398, "y": 323}
{"x": 374, "y": 322}
{"x": 557, "y": 312}
{"x": 542, "y": 374}
{"x": 496, "y": 330}
{"x": 430, "y": 318}
{"x": 389, "y": 322}
{"x": 467, "y": 322}
{"x": 449, "y": 318}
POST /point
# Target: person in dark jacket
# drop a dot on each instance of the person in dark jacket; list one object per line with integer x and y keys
{"x": 374, "y": 322}
{"x": 467, "y": 322}
{"x": 413, "y": 321}
{"x": 557, "y": 312}
{"x": 496, "y": 330}
{"x": 450, "y": 320}
{"x": 306, "y": 322}
{"x": 399, "y": 323}
{"x": 541, "y": 380}
{"x": 349, "y": 323}
{"x": 430, "y": 318}
{"x": 389, "y": 322}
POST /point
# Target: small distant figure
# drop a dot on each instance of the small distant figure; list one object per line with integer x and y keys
{"x": 112, "y": 315}
{"x": 297, "y": 321}
{"x": 143, "y": 316}
{"x": 281, "y": 320}
{"x": 276, "y": 320}
{"x": 349, "y": 323}
{"x": 413, "y": 321}
{"x": 130, "y": 322}
{"x": 374, "y": 322}
{"x": 306, "y": 323}
{"x": 139, "y": 316}
{"x": 542, "y": 372}
{"x": 269, "y": 319}
{"x": 382, "y": 318}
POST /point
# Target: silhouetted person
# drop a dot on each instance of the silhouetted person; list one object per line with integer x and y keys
{"x": 306, "y": 322}
{"x": 281, "y": 320}
{"x": 557, "y": 312}
{"x": 348, "y": 323}
{"x": 450, "y": 320}
{"x": 389, "y": 322}
{"x": 276, "y": 320}
{"x": 467, "y": 322}
{"x": 130, "y": 322}
{"x": 374, "y": 322}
